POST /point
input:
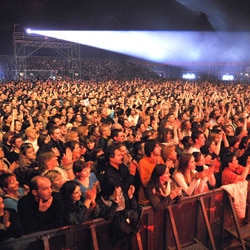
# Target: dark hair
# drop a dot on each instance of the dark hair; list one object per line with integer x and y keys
{"x": 162, "y": 135}
{"x": 14, "y": 137}
{"x": 158, "y": 171}
{"x": 4, "y": 180}
{"x": 154, "y": 182}
{"x": 149, "y": 146}
{"x": 51, "y": 129}
{"x": 110, "y": 151}
{"x": 231, "y": 140}
{"x": 227, "y": 159}
{"x": 67, "y": 189}
{"x": 195, "y": 135}
{"x": 136, "y": 147}
{"x": 71, "y": 144}
{"x": 24, "y": 147}
{"x": 79, "y": 165}
{"x": 197, "y": 156}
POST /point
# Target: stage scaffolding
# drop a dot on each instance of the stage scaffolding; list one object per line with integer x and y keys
{"x": 28, "y": 46}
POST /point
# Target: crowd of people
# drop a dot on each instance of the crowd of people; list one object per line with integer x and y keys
{"x": 41, "y": 67}
{"x": 73, "y": 150}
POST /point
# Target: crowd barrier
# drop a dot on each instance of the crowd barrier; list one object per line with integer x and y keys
{"x": 195, "y": 220}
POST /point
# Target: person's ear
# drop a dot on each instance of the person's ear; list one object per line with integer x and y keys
{"x": 34, "y": 192}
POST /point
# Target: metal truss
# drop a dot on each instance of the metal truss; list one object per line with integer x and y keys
{"x": 27, "y": 46}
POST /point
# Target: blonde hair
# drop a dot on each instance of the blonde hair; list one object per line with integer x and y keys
{"x": 51, "y": 174}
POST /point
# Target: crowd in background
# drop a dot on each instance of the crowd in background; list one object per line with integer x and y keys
{"x": 88, "y": 68}
{"x": 73, "y": 150}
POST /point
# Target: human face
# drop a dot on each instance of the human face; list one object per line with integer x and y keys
{"x": 173, "y": 154}
{"x": 57, "y": 182}
{"x": 32, "y": 134}
{"x": 117, "y": 159}
{"x": 44, "y": 190}
{"x": 76, "y": 195}
{"x": 31, "y": 153}
{"x": 123, "y": 150}
{"x": 1, "y": 206}
{"x": 157, "y": 150}
{"x": 18, "y": 143}
{"x": 234, "y": 164}
{"x": 212, "y": 147}
{"x": 56, "y": 134}
{"x": 90, "y": 145}
{"x": 165, "y": 177}
{"x": 13, "y": 184}
{"x": 201, "y": 162}
{"x": 52, "y": 163}
{"x": 191, "y": 163}
{"x": 106, "y": 132}
{"x": 85, "y": 173}
{"x": 171, "y": 118}
{"x": 201, "y": 140}
{"x": 120, "y": 137}
{"x": 18, "y": 126}
{"x": 77, "y": 151}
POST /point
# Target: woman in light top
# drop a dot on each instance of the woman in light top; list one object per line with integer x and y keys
{"x": 190, "y": 180}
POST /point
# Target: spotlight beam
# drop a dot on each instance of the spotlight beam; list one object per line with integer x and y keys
{"x": 171, "y": 47}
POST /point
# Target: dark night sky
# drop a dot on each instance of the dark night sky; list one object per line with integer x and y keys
{"x": 226, "y": 15}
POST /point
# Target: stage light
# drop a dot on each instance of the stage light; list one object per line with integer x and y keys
{"x": 189, "y": 76}
{"x": 227, "y": 77}
{"x": 169, "y": 47}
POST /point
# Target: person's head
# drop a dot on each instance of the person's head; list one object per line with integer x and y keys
{"x": 160, "y": 173}
{"x": 9, "y": 183}
{"x": 31, "y": 133}
{"x": 54, "y": 132}
{"x": 169, "y": 153}
{"x": 198, "y": 138}
{"x": 113, "y": 155}
{"x": 40, "y": 187}
{"x": 18, "y": 126}
{"x": 74, "y": 146}
{"x": 138, "y": 149}
{"x": 56, "y": 179}
{"x": 72, "y": 135}
{"x": 91, "y": 142}
{"x": 105, "y": 130}
{"x": 186, "y": 125}
{"x": 209, "y": 147}
{"x": 118, "y": 135}
{"x": 47, "y": 160}
{"x": 186, "y": 162}
{"x": 82, "y": 169}
{"x": 27, "y": 154}
{"x": 230, "y": 161}
{"x": 70, "y": 192}
{"x": 187, "y": 142}
{"x": 199, "y": 158}
{"x": 16, "y": 141}
{"x": 152, "y": 148}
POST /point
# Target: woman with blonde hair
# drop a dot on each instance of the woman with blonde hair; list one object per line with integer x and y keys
{"x": 55, "y": 178}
